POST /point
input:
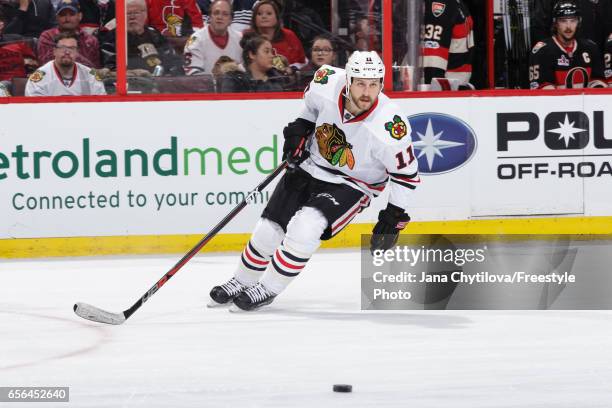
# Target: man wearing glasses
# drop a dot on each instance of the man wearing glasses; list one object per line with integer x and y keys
{"x": 63, "y": 75}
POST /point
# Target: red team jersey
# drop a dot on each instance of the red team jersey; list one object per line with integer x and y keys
{"x": 551, "y": 65}
{"x": 12, "y": 56}
{"x": 167, "y": 15}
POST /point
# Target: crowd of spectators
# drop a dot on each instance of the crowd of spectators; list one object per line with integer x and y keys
{"x": 242, "y": 45}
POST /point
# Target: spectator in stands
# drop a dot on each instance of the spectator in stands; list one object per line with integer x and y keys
{"x": 322, "y": 52}
{"x": 63, "y": 75}
{"x": 68, "y": 18}
{"x": 260, "y": 75}
{"x": 448, "y": 41}
{"x": 217, "y": 39}
{"x": 97, "y": 15}
{"x": 174, "y": 18}
{"x": 366, "y": 36}
{"x": 596, "y": 20}
{"x": 17, "y": 59}
{"x": 564, "y": 61}
{"x": 243, "y": 10}
{"x": 147, "y": 47}
{"x": 31, "y": 18}
{"x": 267, "y": 23}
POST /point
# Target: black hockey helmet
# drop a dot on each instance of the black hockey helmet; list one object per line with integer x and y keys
{"x": 566, "y": 8}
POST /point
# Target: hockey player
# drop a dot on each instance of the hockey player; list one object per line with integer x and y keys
{"x": 448, "y": 41}
{"x": 564, "y": 61}
{"x": 347, "y": 144}
{"x": 63, "y": 75}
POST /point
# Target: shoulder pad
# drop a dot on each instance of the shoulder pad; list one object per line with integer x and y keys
{"x": 193, "y": 38}
{"x": 323, "y": 74}
{"x": 396, "y": 127}
{"x": 537, "y": 47}
{"x": 95, "y": 74}
{"x": 37, "y": 76}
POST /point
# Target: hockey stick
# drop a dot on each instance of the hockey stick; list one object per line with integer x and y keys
{"x": 95, "y": 314}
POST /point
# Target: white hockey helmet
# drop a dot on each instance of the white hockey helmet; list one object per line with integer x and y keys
{"x": 364, "y": 64}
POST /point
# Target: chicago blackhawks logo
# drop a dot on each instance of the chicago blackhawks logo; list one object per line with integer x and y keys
{"x": 37, "y": 76}
{"x": 333, "y": 146}
{"x": 322, "y": 75}
{"x": 397, "y": 128}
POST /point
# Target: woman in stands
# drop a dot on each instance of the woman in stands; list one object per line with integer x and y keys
{"x": 266, "y": 22}
{"x": 260, "y": 75}
{"x": 322, "y": 52}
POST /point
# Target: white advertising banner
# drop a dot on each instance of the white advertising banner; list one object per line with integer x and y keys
{"x": 141, "y": 168}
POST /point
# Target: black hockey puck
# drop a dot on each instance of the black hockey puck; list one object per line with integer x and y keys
{"x": 343, "y": 388}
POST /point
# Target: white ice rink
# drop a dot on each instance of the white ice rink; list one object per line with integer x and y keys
{"x": 176, "y": 353}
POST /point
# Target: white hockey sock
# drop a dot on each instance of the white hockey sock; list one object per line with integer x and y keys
{"x": 252, "y": 265}
{"x": 286, "y": 265}
{"x": 255, "y": 258}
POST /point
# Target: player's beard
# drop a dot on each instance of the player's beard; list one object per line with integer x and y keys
{"x": 364, "y": 103}
{"x": 568, "y": 35}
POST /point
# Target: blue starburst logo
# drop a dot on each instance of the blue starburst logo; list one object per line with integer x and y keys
{"x": 442, "y": 143}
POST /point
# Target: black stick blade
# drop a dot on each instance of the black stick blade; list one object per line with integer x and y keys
{"x": 95, "y": 314}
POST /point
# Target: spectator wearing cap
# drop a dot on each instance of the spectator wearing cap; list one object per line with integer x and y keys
{"x": 31, "y": 18}
{"x": 68, "y": 19}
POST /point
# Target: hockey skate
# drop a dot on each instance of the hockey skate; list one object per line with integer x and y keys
{"x": 223, "y": 295}
{"x": 252, "y": 298}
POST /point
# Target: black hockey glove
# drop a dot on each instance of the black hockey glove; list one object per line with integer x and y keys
{"x": 296, "y": 133}
{"x": 391, "y": 221}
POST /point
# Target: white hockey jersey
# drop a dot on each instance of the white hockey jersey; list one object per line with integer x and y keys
{"x": 47, "y": 81}
{"x": 201, "y": 52}
{"x": 366, "y": 152}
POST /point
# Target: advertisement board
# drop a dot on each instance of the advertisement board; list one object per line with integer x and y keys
{"x": 155, "y": 168}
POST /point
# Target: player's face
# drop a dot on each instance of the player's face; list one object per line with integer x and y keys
{"x": 263, "y": 57}
{"x": 566, "y": 27}
{"x": 221, "y": 17}
{"x": 364, "y": 92}
{"x": 266, "y": 17}
{"x": 68, "y": 20}
{"x": 65, "y": 52}
{"x": 322, "y": 53}
{"x": 136, "y": 18}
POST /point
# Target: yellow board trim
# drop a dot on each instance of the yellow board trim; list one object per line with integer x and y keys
{"x": 349, "y": 238}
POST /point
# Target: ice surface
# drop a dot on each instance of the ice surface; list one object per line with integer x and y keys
{"x": 175, "y": 352}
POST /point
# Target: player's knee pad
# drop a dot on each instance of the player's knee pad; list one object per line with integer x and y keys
{"x": 304, "y": 231}
{"x": 267, "y": 236}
